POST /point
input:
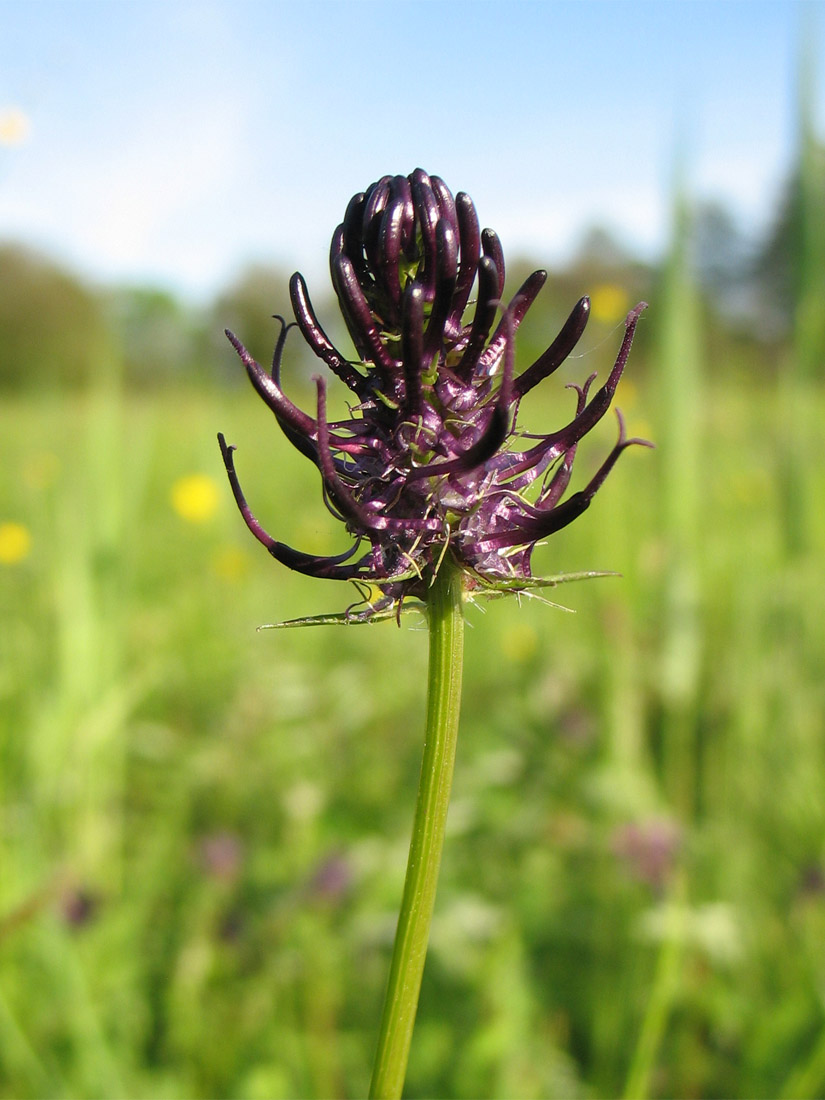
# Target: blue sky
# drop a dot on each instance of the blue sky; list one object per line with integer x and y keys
{"x": 174, "y": 142}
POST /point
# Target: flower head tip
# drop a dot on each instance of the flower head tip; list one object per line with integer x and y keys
{"x": 430, "y": 461}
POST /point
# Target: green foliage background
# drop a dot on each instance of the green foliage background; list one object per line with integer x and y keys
{"x": 204, "y": 827}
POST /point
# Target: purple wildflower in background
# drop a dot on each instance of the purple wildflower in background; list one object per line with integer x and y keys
{"x": 430, "y": 461}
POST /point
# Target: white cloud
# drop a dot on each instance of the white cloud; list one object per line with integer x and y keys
{"x": 550, "y": 229}
{"x": 135, "y": 205}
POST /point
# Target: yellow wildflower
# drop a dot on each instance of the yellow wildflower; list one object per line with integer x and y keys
{"x": 15, "y": 542}
{"x": 609, "y": 303}
{"x": 195, "y": 497}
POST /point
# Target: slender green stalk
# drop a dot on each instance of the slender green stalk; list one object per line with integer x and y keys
{"x": 808, "y": 1078}
{"x": 446, "y": 624}
{"x": 660, "y": 1001}
{"x": 803, "y": 366}
{"x": 681, "y": 483}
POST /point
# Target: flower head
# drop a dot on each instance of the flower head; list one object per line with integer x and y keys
{"x": 430, "y": 461}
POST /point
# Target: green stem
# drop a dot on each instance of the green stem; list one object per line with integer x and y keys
{"x": 446, "y": 625}
{"x": 660, "y": 1002}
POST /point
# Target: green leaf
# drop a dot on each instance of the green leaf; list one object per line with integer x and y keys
{"x": 504, "y": 586}
{"x": 347, "y": 618}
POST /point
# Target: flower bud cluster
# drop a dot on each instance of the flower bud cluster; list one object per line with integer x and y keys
{"x": 430, "y": 460}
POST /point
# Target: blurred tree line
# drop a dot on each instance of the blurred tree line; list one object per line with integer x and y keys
{"x": 57, "y": 329}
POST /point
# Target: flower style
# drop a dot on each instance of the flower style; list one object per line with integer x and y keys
{"x": 430, "y": 461}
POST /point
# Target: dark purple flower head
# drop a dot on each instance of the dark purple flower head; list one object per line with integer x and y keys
{"x": 430, "y": 461}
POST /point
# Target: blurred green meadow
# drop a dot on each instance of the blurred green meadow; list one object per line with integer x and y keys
{"x": 204, "y": 826}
